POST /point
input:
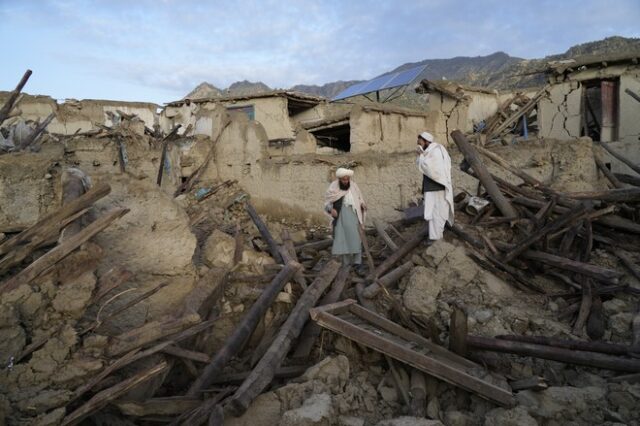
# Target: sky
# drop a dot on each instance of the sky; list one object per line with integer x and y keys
{"x": 158, "y": 50}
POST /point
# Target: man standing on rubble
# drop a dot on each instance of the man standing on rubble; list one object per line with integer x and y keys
{"x": 345, "y": 205}
{"x": 435, "y": 165}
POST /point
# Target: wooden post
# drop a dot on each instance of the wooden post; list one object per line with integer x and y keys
{"x": 578, "y": 345}
{"x": 8, "y": 106}
{"x": 458, "y": 331}
{"x": 244, "y": 329}
{"x": 472, "y": 157}
{"x": 263, "y": 373}
{"x": 264, "y": 232}
{"x": 589, "y": 359}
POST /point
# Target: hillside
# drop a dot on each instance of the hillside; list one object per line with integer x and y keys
{"x": 498, "y": 70}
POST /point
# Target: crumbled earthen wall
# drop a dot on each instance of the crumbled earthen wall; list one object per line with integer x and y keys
{"x": 559, "y": 112}
{"x": 73, "y": 116}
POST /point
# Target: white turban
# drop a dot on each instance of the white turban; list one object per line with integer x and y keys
{"x": 342, "y": 172}
{"x": 427, "y": 136}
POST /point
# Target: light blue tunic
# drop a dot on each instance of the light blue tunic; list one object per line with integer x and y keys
{"x": 346, "y": 238}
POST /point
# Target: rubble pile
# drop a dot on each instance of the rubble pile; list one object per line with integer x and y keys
{"x": 132, "y": 295}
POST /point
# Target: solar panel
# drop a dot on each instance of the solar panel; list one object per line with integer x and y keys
{"x": 387, "y": 81}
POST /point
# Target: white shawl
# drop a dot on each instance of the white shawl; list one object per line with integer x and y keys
{"x": 435, "y": 163}
{"x": 334, "y": 193}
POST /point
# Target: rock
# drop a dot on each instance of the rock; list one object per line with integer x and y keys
{"x": 614, "y": 306}
{"x": 12, "y": 341}
{"x": 514, "y": 417}
{"x": 409, "y": 421}
{"x": 620, "y": 324}
{"x": 457, "y": 418}
{"x": 433, "y": 408}
{"x": 564, "y": 402}
{"x": 333, "y": 371}
{"x": 422, "y": 289}
{"x": 263, "y": 411}
{"x": 483, "y": 315}
{"x": 350, "y": 421}
{"x": 44, "y": 401}
{"x": 315, "y": 411}
{"x": 388, "y": 394}
{"x": 218, "y": 250}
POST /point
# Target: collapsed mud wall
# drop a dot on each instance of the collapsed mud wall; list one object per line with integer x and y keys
{"x": 74, "y": 116}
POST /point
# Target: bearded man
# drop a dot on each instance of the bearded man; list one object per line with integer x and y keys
{"x": 346, "y": 206}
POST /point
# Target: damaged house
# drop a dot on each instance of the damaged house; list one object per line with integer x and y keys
{"x": 596, "y": 96}
{"x": 282, "y": 147}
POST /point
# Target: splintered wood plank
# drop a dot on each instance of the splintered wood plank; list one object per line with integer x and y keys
{"x": 101, "y": 399}
{"x": 440, "y": 368}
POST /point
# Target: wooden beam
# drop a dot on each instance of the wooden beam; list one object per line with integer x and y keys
{"x": 101, "y": 399}
{"x": 578, "y": 345}
{"x": 622, "y": 158}
{"x": 312, "y": 331}
{"x": 397, "y": 255}
{"x": 388, "y": 280}
{"x": 244, "y": 329}
{"x": 472, "y": 157}
{"x": 264, "y": 232}
{"x": 19, "y": 247}
{"x": 380, "y": 228}
{"x": 564, "y": 220}
{"x": 264, "y": 372}
{"x": 59, "y": 252}
{"x": 13, "y": 96}
{"x": 569, "y": 356}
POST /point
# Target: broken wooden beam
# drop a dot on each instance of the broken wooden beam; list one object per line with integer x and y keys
{"x": 13, "y": 96}
{"x": 622, "y": 158}
{"x": 244, "y": 329}
{"x": 568, "y": 356}
{"x": 163, "y": 156}
{"x": 628, "y": 179}
{"x": 56, "y": 254}
{"x": 610, "y": 195}
{"x": 388, "y": 280}
{"x": 102, "y": 398}
{"x": 287, "y": 372}
{"x": 36, "y": 132}
{"x": 397, "y": 255}
{"x": 458, "y": 331}
{"x": 263, "y": 373}
{"x": 606, "y": 172}
{"x": 311, "y": 331}
{"x": 19, "y": 247}
{"x": 566, "y": 219}
{"x": 169, "y": 406}
{"x": 264, "y": 232}
{"x": 410, "y": 348}
{"x": 535, "y": 383}
{"x": 579, "y": 345}
{"x": 380, "y": 228}
{"x": 472, "y": 157}
{"x": 288, "y": 253}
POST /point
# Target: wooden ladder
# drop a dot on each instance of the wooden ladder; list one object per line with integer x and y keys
{"x": 363, "y": 326}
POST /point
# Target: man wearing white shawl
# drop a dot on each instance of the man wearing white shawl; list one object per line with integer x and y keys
{"x": 435, "y": 165}
{"x": 343, "y": 202}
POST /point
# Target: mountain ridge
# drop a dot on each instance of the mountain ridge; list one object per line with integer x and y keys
{"x": 497, "y": 70}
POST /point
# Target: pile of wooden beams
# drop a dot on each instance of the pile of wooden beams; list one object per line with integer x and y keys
{"x": 553, "y": 233}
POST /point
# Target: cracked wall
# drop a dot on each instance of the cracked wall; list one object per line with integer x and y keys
{"x": 559, "y": 111}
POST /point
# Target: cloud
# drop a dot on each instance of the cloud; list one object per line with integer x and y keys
{"x": 172, "y": 45}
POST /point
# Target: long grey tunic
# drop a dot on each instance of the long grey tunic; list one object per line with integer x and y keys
{"x": 346, "y": 238}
